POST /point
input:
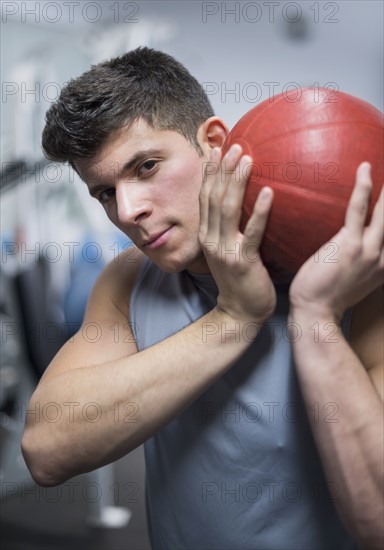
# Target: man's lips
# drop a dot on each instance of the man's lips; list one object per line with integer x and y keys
{"x": 157, "y": 239}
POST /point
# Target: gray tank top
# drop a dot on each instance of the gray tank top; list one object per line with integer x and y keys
{"x": 238, "y": 469}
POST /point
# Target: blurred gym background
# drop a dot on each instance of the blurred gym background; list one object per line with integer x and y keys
{"x": 55, "y": 239}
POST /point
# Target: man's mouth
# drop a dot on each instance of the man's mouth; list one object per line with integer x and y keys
{"x": 157, "y": 239}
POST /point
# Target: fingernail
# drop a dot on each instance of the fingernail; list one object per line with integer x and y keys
{"x": 265, "y": 194}
{"x": 365, "y": 169}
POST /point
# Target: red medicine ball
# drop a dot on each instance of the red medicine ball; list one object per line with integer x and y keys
{"x": 306, "y": 145}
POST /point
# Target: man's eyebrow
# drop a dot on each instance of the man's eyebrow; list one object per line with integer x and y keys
{"x": 127, "y": 166}
{"x": 137, "y": 158}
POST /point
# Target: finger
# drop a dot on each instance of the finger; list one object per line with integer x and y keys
{"x": 227, "y": 172}
{"x": 210, "y": 171}
{"x": 255, "y": 228}
{"x": 376, "y": 227}
{"x": 358, "y": 203}
{"x": 233, "y": 199}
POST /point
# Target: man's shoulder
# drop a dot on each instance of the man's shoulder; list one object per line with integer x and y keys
{"x": 118, "y": 277}
{"x": 126, "y": 264}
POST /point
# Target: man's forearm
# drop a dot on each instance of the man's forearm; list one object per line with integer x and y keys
{"x": 90, "y": 416}
{"x": 351, "y": 442}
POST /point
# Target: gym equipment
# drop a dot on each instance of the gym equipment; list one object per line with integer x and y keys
{"x": 306, "y": 145}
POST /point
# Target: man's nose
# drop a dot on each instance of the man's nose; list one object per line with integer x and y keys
{"x": 132, "y": 205}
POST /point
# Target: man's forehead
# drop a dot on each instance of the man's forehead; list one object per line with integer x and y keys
{"x": 127, "y": 140}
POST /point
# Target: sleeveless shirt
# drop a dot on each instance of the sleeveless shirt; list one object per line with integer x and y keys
{"x": 238, "y": 469}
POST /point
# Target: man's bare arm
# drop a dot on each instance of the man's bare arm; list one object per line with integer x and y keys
{"x": 348, "y": 389}
{"x": 112, "y": 398}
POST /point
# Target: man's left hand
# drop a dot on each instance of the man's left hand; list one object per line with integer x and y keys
{"x": 356, "y": 268}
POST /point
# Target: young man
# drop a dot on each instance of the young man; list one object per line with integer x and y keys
{"x": 203, "y": 373}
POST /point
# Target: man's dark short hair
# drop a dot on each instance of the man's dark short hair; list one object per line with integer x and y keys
{"x": 141, "y": 84}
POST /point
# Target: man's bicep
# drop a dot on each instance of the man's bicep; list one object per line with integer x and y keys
{"x": 106, "y": 333}
{"x": 367, "y": 331}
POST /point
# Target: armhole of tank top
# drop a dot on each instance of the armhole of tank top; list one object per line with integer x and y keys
{"x": 346, "y": 323}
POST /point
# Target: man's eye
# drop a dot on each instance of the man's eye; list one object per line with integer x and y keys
{"x": 147, "y": 166}
{"x": 106, "y": 195}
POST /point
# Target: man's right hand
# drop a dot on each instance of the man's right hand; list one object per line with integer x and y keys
{"x": 246, "y": 292}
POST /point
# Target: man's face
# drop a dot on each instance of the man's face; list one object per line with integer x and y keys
{"x": 148, "y": 182}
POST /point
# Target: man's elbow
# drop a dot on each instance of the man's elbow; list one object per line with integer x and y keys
{"x": 39, "y": 463}
{"x": 369, "y": 529}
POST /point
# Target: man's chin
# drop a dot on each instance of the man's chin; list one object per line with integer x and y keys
{"x": 196, "y": 264}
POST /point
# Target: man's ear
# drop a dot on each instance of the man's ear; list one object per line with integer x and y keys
{"x": 212, "y": 133}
